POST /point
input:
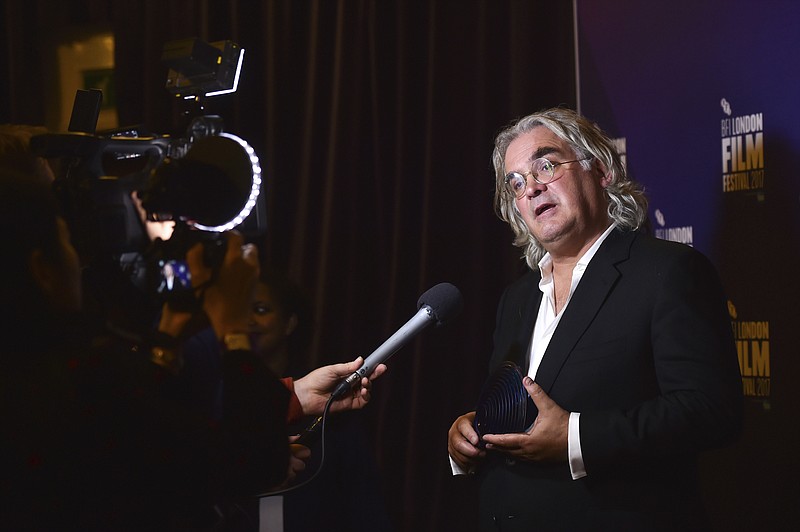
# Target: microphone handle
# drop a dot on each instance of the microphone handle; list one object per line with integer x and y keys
{"x": 419, "y": 321}
{"x": 411, "y": 328}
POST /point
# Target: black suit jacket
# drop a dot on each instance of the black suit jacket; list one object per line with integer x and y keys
{"x": 645, "y": 352}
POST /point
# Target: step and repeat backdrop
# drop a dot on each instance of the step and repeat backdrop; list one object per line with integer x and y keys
{"x": 703, "y": 99}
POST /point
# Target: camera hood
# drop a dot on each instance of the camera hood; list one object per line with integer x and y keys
{"x": 214, "y": 187}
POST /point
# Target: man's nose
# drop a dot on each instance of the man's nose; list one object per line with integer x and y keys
{"x": 532, "y": 187}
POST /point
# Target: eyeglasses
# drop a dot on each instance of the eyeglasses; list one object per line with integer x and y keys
{"x": 543, "y": 172}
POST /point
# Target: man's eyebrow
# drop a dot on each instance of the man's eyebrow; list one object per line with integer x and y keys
{"x": 542, "y": 151}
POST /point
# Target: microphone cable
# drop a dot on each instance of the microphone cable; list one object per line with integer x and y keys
{"x": 318, "y": 426}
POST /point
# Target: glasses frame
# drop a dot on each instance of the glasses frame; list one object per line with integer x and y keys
{"x": 544, "y": 162}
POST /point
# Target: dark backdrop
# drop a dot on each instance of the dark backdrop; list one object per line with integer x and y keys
{"x": 374, "y": 120}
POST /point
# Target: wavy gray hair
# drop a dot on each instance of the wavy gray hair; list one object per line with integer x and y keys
{"x": 627, "y": 204}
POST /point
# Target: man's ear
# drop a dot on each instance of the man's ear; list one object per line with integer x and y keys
{"x": 603, "y": 172}
{"x": 42, "y": 270}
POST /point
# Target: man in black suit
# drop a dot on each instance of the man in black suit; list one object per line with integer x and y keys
{"x": 624, "y": 340}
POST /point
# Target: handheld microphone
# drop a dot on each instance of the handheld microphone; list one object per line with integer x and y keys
{"x": 439, "y": 304}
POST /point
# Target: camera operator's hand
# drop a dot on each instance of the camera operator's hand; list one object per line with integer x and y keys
{"x": 162, "y": 230}
{"x": 227, "y": 299}
{"x": 173, "y": 322}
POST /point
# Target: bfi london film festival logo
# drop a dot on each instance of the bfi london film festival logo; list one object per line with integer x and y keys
{"x": 684, "y": 234}
{"x": 752, "y": 347}
{"x": 742, "y": 151}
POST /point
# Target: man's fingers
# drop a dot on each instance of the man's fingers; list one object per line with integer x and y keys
{"x": 540, "y": 398}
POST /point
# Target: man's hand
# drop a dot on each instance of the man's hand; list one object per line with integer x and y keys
{"x": 462, "y": 442}
{"x": 315, "y": 389}
{"x": 547, "y": 439}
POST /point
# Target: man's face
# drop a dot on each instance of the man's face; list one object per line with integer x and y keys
{"x": 567, "y": 215}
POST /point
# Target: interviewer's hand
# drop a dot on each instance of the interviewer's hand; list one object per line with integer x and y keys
{"x": 297, "y": 458}
{"x": 547, "y": 439}
{"x": 298, "y": 454}
{"x": 314, "y": 389}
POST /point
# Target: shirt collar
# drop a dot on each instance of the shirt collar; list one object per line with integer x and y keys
{"x": 545, "y": 264}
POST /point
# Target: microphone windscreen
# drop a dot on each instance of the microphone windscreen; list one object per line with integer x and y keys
{"x": 444, "y": 300}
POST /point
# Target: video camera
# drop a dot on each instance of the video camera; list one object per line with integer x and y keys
{"x": 113, "y": 184}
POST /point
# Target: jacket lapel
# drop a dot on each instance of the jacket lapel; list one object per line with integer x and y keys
{"x": 599, "y": 279}
{"x": 528, "y": 309}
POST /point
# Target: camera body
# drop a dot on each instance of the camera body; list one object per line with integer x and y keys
{"x": 114, "y": 186}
